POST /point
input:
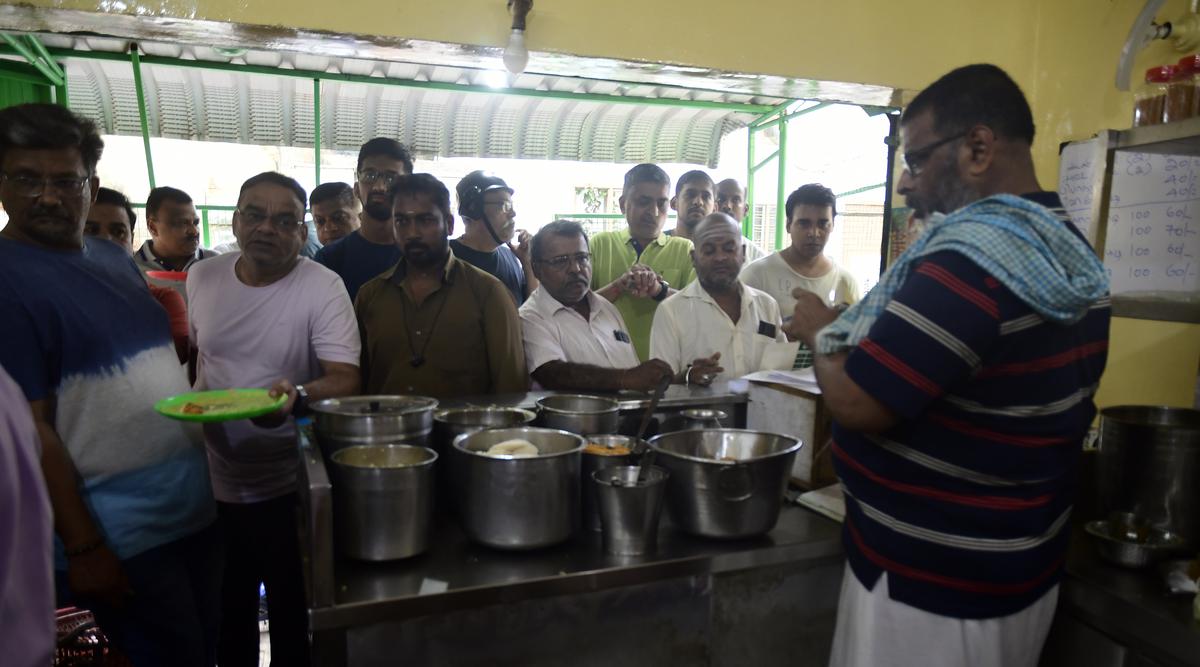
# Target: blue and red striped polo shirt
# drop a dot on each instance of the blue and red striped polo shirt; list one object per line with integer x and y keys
{"x": 965, "y": 503}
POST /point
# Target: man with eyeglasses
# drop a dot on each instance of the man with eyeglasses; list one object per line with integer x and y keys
{"x": 433, "y": 325}
{"x": 266, "y": 317}
{"x": 811, "y": 210}
{"x": 137, "y": 541}
{"x": 371, "y": 249}
{"x": 637, "y": 267}
{"x": 485, "y": 206}
{"x": 961, "y": 389}
{"x": 717, "y": 328}
{"x": 174, "y": 243}
{"x": 575, "y": 340}
{"x": 335, "y": 211}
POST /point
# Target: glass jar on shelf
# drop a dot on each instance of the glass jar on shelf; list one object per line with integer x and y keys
{"x": 1181, "y": 92}
{"x": 1151, "y": 98}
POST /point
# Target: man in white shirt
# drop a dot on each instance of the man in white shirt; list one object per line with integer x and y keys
{"x": 716, "y": 327}
{"x": 574, "y": 339}
{"x": 811, "y": 210}
{"x": 266, "y": 317}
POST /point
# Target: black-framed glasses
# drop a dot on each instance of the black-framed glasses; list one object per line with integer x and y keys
{"x": 562, "y": 262}
{"x": 370, "y": 177}
{"x": 24, "y": 185}
{"x": 284, "y": 222}
{"x": 914, "y": 160}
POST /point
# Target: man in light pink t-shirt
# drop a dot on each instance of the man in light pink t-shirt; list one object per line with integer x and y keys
{"x": 266, "y": 317}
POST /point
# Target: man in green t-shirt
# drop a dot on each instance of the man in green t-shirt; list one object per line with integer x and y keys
{"x": 636, "y": 268}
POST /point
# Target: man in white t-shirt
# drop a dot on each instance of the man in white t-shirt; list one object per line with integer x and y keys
{"x": 575, "y": 339}
{"x": 716, "y": 327}
{"x": 811, "y": 210}
{"x": 266, "y": 317}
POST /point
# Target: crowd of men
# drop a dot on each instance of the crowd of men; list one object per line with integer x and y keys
{"x": 166, "y": 532}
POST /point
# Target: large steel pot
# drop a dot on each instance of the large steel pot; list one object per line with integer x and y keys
{"x": 725, "y": 483}
{"x": 1148, "y": 464}
{"x": 450, "y": 423}
{"x": 372, "y": 420}
{"x": 519, "y": 503}
{"x": 578, "y": 413}
{"x": 382, "y": 500}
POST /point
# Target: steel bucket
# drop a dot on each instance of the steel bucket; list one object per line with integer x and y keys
{"x": 372, "y": 420}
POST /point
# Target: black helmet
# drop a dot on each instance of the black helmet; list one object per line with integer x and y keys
{"x": 471, "y": 189}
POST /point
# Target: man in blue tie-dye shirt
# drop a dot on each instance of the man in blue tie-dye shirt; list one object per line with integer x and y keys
{"x": 92, "y": 352}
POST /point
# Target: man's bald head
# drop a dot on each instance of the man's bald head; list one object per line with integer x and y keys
{"x": 719, "y": 252}
{"x": 731, "y": 199}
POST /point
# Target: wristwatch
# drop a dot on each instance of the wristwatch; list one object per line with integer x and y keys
{"x": 300, "y": 407}
{"x": 665, "y": 289}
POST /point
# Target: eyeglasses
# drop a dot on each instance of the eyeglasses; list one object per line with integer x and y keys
{"x": 370, "y": 177}
{"x": 914, "y": 160}
{"x": 563, "y": 262}
{"x": 283, "y": 222}
{"x": 32, "y": 186}
{"x": 506, "y": 207}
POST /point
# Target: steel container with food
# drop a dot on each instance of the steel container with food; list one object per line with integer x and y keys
{"x": 450, "y": 423}
{"x": 725, "y": 483}
{"x": 382, "y": 500}
{"x": 578, "y": 413}
{"x": 372, "y": 420}
{"x": 601, "y": 452}
{"x": 519, "y": 502}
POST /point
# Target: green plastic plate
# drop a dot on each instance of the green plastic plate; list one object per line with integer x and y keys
{"x": 220, "y": 405}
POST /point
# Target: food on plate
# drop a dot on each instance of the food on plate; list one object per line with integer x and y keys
{"x": 193, "y": 408}
{"x": 516, "y": 448}
{"x": 601, "y": 449}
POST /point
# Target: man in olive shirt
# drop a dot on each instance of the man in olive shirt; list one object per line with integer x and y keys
{"x": 433, "y": 325}
{"x": 636, "y": 268}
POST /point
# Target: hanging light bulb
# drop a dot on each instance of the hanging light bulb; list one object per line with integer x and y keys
{"x": 516, "y": 56}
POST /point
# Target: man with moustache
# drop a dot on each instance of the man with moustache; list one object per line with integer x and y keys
{"x": 636, "y": 268}
{"x": 335, "y": 211}
{"x": 716, "y": 327}
{"x": 433, "y": 325}
{"x": 731, "y": 200}
{"x": 485, "y": 205}
{"x": 694, "y": 194}
{"x": 371, "y": 249}
{"x": 266, "y": 317}
{"x": 174, "y": 243}
{"x": 137, "y": 541}
{"x": 575, "y": 340}
{"x": 961, "y": 389}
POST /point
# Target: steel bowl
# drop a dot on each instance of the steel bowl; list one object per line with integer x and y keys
{"x": 372, "y": 420}
{"x": 1125, "y": 540}
{"x": 578, "y": 413}
{"x": 519, "y": 502}
{"x": 725, "y": 483}
{"x": 382, "y": 500}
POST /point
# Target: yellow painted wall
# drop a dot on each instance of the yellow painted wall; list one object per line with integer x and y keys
{"x": 1062, "y": 52}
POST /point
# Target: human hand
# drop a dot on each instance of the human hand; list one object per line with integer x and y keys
{"x": 647, "y": 375}
{"x": 641, "y": 281}
{"x": 704, "y": 370}
{"x": 98, "y": 574}
{"x": 523, "y": 246}
{"x": 809, "y": 317}
{"x": 277, "y": 418}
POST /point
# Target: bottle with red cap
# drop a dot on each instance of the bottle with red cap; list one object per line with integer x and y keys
{"x": 1191, "y": 65}
{"x": 1151, "y": 98}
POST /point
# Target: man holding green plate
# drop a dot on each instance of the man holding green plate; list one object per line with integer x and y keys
{"x": 266, "y": 317}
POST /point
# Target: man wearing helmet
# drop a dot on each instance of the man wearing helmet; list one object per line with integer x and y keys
{"x": 485, "y": 205}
